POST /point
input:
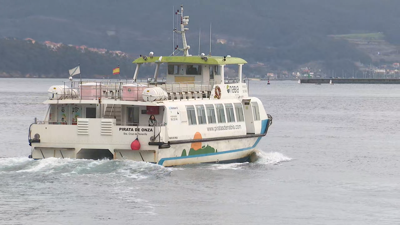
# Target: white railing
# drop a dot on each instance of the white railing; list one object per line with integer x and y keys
{"x": 185, "y": 87}
{"x": 93, "y": 90}
{"x": 187, "y": 90}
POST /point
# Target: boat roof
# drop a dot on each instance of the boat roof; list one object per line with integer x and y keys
{"x": 104, "y": 101}
{"x": 142, "y": 103}
{"x": 203, "y": 60}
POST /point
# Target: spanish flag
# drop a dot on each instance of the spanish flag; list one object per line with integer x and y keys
{"x": 116, "y": 71}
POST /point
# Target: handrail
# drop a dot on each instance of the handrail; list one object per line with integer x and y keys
{"x": 154, "y": 137}
{"x": 112, "y": 109}
{"x": 114, "y": 90}
{"x": 36, "y": 138}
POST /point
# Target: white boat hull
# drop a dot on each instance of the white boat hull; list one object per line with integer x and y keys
{"x": 227, "y": 154}
{"x": 226, "y": 149}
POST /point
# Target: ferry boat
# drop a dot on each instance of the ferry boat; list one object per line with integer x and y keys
{"x": 195, "y": 116}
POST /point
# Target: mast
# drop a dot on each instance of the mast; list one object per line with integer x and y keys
{"x": 210, "y": 41}
{"x": 184, "y": 22}
{"x": 199, "y": 41}
{"x": 173, "y": 31}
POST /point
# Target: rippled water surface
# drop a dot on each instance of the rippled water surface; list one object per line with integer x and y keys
{"x": 331, "y": 157}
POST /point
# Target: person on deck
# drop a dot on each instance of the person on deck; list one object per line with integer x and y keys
{"x": 152, "y": 121}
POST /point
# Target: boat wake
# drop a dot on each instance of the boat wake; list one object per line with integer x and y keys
{"x": 263, "y": 159}
{"x": 122, "y": 168}
{"x": 268, "y": 158}
{"x": 76, "y": 167}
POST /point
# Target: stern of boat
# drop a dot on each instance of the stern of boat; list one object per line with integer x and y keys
{"x": 96, "y": 138}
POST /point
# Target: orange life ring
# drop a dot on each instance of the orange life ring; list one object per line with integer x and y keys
{"x": 217, "y": 92}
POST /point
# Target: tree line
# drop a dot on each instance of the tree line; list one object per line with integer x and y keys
{"x": 22, "y": 58}
{"x": 283, "y": 34}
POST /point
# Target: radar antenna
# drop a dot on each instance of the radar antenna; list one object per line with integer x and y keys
{"x": 182, "y": 31}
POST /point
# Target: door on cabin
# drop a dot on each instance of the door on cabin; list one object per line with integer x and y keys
{"x": 248, "y": 116}
{"x": 90, "y": 112}
{"x": 133, "y": 116}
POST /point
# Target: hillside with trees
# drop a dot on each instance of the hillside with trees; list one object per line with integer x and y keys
{"x": 28, "y": 59}
{"x": 280, "y": 35}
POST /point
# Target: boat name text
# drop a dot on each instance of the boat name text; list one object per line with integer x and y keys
{"x": 136, "y": 129}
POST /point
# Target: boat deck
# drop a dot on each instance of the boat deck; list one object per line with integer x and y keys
{"x": 115, "y": 90}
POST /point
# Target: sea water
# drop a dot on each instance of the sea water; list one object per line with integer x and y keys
{"x": 330, "y": 157}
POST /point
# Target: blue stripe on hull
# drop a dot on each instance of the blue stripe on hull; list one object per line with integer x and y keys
{"x": 239, "y": 160}
{"x": 263, "y": 128}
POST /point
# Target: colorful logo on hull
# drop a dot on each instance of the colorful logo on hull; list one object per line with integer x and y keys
{"x": 197, "y": 148}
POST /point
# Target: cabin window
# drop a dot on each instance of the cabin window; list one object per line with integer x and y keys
{"x": 75, "y": 113}
{"x": 231, "y": 74}
{"x": 63, "y": 114}
{"x": 239, "y": 112}
{"x": 191, "y": 115}
{"x": 173, "y": 69}
{"x": 133, "y": 116}
{"x": 201, "y": 114}
{"x": 51, "y": 116}
{"x": 220, "y": 113}
{"x": 214, "y": 70}
{"x": 91, "y": 112}
{"x": 193, "y": 69}
{"x": 256, "y": 112}
{"x": 229, "y": 113}
{"x": 210, "y": 113}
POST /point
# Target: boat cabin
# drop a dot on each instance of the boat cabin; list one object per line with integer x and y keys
{"x": 193, "y": 69}
{"x": 124, "y": 115}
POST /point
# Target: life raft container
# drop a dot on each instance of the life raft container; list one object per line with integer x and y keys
{"x": 59, "y": 91}
{"x": 154, "y": 94}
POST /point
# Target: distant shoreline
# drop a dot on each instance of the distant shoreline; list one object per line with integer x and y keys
{"x": 349, "y": 81}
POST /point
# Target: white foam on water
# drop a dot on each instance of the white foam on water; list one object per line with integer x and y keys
{"x": 45, "y": 165}
{"x": 124, "y": 168}
{"x": 14, "y": 164}
{"x": 12, "y": 161}
{"x": 263, "y": 158}
{"x": 79, "y": 167}
{"x": 269, "y": 158}
{"x": 228, "y": 166}
{"x": 131, "y": 167}
{"x": 139, "y": 170}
